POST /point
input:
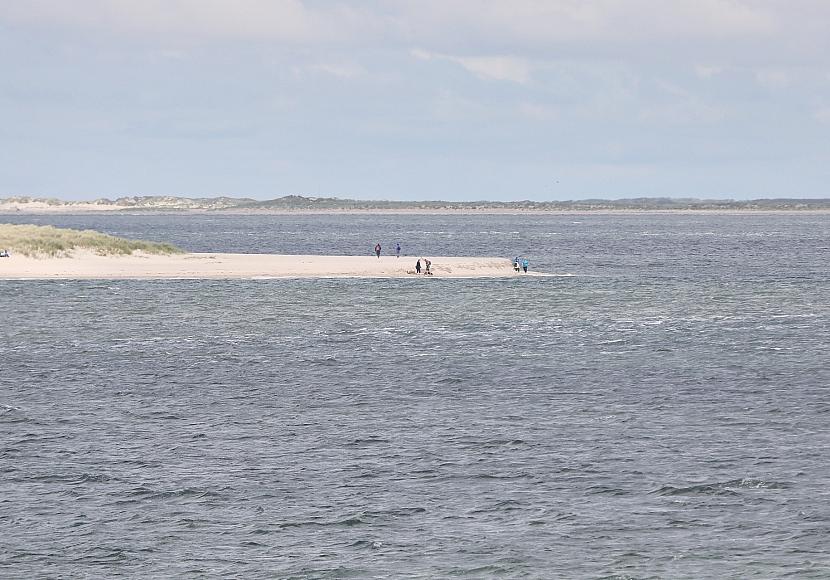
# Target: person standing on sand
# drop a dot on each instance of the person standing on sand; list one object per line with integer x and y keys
{"x": 525, "y": 264}
{"x": 418, "y": 266}
{"x": 397, "y": 250}
{"x": 426, "y": 269}
{"x": 377, "y": 250}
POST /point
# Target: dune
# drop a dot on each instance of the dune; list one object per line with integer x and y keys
{"x": 82, "y": 264}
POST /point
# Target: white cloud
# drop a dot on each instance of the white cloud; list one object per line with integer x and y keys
{"x": 708, "y": 72}
{"x": 500, "y": 68}
{"x": 272, "y": 20}
{"x": 745, "y": 29}
{"x": 679, "y": 106}
{"x": 682, "y": 113}
{"x": 773, "y": 78}
{"x": 450, "y": 107}
{"x": 539, "y": 112}
{"x": 588, "y": 27}
{"x": 343, "y": 70}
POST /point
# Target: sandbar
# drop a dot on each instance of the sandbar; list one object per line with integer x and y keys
{"x": 139, "y": 265}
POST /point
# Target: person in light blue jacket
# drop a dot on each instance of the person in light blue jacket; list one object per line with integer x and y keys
{"x": 525, "y": 264}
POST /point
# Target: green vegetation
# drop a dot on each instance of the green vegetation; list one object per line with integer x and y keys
{"x": 31, "y": 240}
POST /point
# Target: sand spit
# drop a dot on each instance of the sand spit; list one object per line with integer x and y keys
{"x": 87, "y": 265}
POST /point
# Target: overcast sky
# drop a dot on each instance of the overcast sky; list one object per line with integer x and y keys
{"x": 415, "y": 99}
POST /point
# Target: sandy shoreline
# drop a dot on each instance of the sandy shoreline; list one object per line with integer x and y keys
{"x": 40, "y": 208}
{"x": 87, "y": 265}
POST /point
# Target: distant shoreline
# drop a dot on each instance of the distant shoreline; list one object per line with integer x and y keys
{"x": 300, "y": 205}
{"x": 119, "y": 210}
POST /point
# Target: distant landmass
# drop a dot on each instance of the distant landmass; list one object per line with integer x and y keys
{"x": 303, "y": 203}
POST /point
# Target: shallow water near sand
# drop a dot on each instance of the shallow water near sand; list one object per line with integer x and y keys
{"x": 660, "y": 411}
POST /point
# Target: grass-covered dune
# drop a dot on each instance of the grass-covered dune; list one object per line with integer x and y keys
{"x": 31, "y": 240}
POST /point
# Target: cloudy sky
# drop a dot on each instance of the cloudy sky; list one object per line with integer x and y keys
{"x": 415, "y": 99}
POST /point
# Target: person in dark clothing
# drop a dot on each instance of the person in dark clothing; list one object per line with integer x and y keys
{"x": 377, "y": 250}
{"x": 418, "y": 266}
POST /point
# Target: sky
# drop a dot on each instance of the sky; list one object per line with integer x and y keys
{"x": 415, "y": 99}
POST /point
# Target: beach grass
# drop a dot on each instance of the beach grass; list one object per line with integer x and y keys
{"x": 33, "y": 240}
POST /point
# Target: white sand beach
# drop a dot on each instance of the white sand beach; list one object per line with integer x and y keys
{"x": 42, "y": 207}
{"x": 88, "y": 265}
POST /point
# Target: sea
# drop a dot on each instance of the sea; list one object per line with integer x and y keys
{"x": 658, "y": 408}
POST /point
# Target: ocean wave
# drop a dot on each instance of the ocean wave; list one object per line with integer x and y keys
{"x": 730, "y": 487}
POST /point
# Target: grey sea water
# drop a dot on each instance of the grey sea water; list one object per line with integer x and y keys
{"x": 661, "y": 412}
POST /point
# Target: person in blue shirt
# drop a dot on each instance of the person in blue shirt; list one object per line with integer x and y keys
{"x": 397, "y": 250}
{"x": 525, "y": 264}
